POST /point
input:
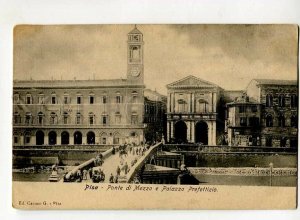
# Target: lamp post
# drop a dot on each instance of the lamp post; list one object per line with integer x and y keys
{"x": 271, "y": 170}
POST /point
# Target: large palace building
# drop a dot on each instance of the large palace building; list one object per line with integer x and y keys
{"x": 75, "y": 112}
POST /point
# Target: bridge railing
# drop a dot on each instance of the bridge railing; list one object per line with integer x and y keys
{"x": 90, "y": 163}
{"x": 138, "y": 165}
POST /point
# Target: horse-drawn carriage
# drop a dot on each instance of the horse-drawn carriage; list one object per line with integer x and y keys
{"x": 98, "y": 175}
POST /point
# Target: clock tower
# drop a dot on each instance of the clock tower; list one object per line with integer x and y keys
{"x": 135, "y": 59}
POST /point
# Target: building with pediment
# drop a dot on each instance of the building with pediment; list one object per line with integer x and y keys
{"x": 192, "y": 111}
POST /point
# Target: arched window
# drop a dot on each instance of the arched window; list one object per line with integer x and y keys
{"x": 269, "y": 121}
{"x": 281, "y": 100}
{"x": 294, "y": 101}
{"x": 294, "y": 121}
{"x": 269, "y": 100}
{"x": 52, "y": 138}
{"x": 281, "y": 121}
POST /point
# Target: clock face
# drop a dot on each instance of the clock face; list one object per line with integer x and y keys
{"x": 135, "y": 71}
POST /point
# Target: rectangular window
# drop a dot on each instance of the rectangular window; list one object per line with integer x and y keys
{"x": 104, "y": 120}
{"x": 53, "y": 100}
{"x": 78, "y": 100}
{"x": 65, "y": 120}
{"x": 91, "y": 120}
{"x": 104, "y": 140}
{"x": 16, "y": 139}
{"x": 242, "y": 109}
{"x": 91, "y": 99}
{"x": 134, "y": 99}
{"x": 118, "y": 99}
{"x": 41, "y": 100}
{"x": 66, "y": 100}
{"x": 16, "y": 99}
{"x": 254, "y": 108}
{"x": 104, "y": 100}
{"x": 118, "y": 119}
{"x": 28, "y": 100}
{"x": 77, "y": 120}
{"x": 243, "y": 121}
{"x": 134, "y": 119}
{"x": 27, "y": 139}
{"x": 40, "y": 120}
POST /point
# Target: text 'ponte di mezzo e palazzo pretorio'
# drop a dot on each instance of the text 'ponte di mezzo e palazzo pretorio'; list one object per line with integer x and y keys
{"x": 54, "y": 112}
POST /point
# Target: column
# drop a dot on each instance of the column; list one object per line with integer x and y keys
{"x": 168, "y": 131}
{"x": 22, "y": 140}
{"x": 192, "y": 131}
{"x": 71, "y": 139}
{"x": 58, "y": 140}
{"x": 173, "y": 106}
{"x": 188, "y": 131}
{"x": 214, "y": 133}
{"x": 209, "y": 132}
{"x": 97, "y": 139}
{"x": 46, "y": 139}
{"x": 193, "y": 103}
{"x": 214, "y": 102}
{"x": 172, "y": 129}
{"x": 84, "y": 139}
{"x": 33, "y": 140}
{"x": 169, "y": 101}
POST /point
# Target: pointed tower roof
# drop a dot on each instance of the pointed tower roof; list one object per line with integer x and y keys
{"x": 135, "y": 31}
{"x": 191, "y": 82}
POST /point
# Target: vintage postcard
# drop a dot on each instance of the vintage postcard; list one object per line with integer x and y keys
{"x": 155, "y": 116}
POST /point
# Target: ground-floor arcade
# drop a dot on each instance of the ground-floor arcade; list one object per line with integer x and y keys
{"x": 189, "y": 131}
{"x": 76, "y": 136}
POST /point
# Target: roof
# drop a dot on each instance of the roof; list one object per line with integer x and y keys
{"x": 75, "y": 83}
{"x": 276, "y": 82}
{"x": 135, "y": 31}
{"x": 192, "y": 82}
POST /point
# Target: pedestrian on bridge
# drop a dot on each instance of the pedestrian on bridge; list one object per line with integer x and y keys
{"x": 118, "y": 171}
{"x": 111, "y": 178}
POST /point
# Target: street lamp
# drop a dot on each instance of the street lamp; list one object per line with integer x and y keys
{"x": 271, "y": 170}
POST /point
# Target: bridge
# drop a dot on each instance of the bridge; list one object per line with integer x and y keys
{"x": 135, "y": 159}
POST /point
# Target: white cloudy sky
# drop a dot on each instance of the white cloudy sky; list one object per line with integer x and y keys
{"x": 227, "y": 55}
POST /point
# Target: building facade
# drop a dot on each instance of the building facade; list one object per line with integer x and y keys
{"x": 192, "y": 111}
{"x": 75, "y": 112}
{"x": 155, "y": 116}
{"x": 279, "y": 115}
{"x": 243, "y": 122}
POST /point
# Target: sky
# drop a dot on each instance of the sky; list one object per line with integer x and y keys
{"x": 227, "y": 55}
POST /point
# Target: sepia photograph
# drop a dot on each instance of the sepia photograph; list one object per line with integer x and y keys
{"x": 179, "y": 107}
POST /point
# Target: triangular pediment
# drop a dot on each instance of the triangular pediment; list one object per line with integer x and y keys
{"x": 191, "y": 82}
